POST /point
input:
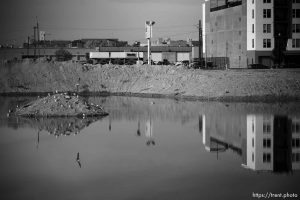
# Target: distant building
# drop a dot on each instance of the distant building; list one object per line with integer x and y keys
{"x": 158, "y": 53}
{"x": 169, "y": 42}
{"x": 248, "y": 32}
{"x": 93, "y": 43}
{"x": 77, "y": 44}
{"x": 49, "y": 44}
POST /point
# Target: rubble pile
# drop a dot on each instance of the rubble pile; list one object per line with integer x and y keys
{"x": 60, "y": 105}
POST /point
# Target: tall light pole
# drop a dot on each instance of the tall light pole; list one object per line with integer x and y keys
{"x": 149, "y": 25}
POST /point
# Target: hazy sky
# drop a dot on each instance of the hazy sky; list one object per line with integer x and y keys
{"x": 75, "y": 19}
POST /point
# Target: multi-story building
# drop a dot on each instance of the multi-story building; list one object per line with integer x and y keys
{"x": 248, "y": 32}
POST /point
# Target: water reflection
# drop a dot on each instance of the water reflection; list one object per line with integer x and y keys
{"x": 271, "y": 142}
{"x": 149, "y": 132}
{"x": 264, "y": 141}
{"x": 78, "y": 160}
{"x": 188, "y": 147}
{"x": 58, "y": 126}
{"x": 138, "y": 132}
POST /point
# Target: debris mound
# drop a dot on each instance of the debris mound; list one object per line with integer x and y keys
{"x": 60, "y": 105}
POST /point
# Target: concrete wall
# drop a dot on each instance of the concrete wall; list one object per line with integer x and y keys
{"x": 262, "y": 57}
{"x": 226, "y": 34}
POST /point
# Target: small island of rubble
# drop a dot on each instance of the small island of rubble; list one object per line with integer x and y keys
{"x": 60, "y": 105}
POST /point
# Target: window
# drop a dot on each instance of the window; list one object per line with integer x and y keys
{"x": 267, "y": 28}
{"x": 266, "y": 127}
{"x": 267, "y": 13}
{"x": 296, "y": 43}
{"x": 267, "y": 1}
{"x": 252, "y": 28}
{"x": 252, "y": 142}
{"x": 240, "y": 46}
{"x": 252, "y": 157}
{"x": 253, "y": 47}
{"x": 296, "y": 13}
{"x": 266, "y": 157}
{"x": 295, "y": 127}
{"x": 252, "y": 1}
{"x": 296, "y": 142}
{"x": 296, "y": 28}
{"x": 296, "y": 157}
{"x": 267, "y": 143}
{"x": 252, "y": 122}
{"x": 252, "y": 13}
{"x": 267, "y": 43}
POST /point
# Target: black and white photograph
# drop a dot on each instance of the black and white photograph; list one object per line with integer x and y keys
{"x": 149, "y": 99}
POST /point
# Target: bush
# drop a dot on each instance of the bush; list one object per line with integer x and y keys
{"x": 63, "y": 55}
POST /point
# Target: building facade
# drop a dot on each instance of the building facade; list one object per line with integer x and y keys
{"x": 249, "y": 32}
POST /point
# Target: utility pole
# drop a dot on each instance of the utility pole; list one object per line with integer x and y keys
{"x": 34, "y": 40}
{"x": 226, "y": 66}
{"x": 149, "y": 51}
{"x": 28, "y": 40}
{"x": 38, "y": 35}
{"x": 200, "y": 42}
{"x": 205, "y": 38}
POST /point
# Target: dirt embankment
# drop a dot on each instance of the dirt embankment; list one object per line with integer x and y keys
{"x": 151, "y": 80}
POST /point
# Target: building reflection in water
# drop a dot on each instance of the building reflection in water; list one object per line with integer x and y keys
{"x": 273, "y": 143}
{"x": 265, "y": 142}
{"x": 221, "y": 133}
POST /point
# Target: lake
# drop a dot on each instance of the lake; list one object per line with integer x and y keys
{"x": 151, "y": 148}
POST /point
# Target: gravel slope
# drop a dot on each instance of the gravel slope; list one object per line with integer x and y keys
{"x": 151, "y": 80}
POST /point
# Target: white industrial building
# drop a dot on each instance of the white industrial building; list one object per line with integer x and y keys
{"x": 265, "y": 32}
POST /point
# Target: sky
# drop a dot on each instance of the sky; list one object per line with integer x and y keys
{"x": 76, "y": 19}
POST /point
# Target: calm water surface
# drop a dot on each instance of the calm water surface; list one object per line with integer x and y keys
{"x": 152, "y": 149}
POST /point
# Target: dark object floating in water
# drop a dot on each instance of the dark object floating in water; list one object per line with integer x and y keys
{"x": 60, "y": 105}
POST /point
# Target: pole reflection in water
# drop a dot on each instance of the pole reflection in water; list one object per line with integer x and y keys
{"x": 149, "y": 132}
{"x": 78, "y": 160}
{"x": 138, "y": 132}
{"x": 109, "y": 124}
{"x": 38, "y": 139}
